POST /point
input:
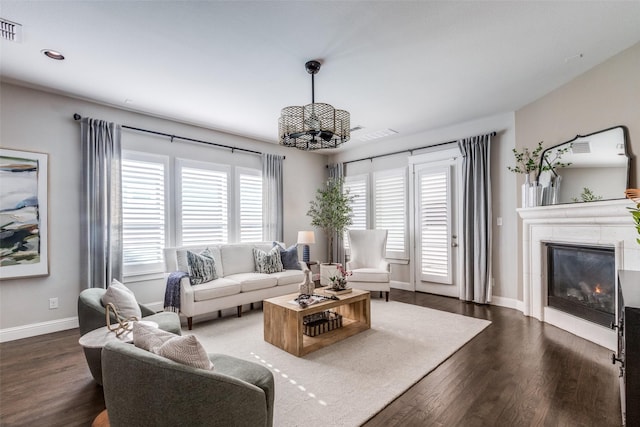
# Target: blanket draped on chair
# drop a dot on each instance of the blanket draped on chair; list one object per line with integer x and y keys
{"x": 172, "y": 292}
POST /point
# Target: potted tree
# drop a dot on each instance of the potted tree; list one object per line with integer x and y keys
{"x": 331, "y": 211}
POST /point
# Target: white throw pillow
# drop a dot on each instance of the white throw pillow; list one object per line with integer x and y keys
{"x": 124, "y": 300}
{"x": 147, "y": 337}
{"x": 186, "y": 350}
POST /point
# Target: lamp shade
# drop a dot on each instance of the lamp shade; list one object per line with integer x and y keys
{"x": 306, "y": 237}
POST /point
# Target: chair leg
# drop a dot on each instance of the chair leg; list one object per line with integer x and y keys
{"x": 251, "y": 306}
{"x": 190, "y": 322}
{"x": 239, "y": 311}
{"x": 387, "y": 294}
{"x": 380, "y": 294}
{"x": 219, "y": 314}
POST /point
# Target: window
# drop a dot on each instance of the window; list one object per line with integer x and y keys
{"x": 202, "y": 208}
{"x": 143, "y": 212}
{"x": 390, "y": 209}
{"x": 357, "y": 187}
{"x": 250, "y": 201}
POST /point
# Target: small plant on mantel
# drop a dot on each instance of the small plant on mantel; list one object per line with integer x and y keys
{"x": 526, "y": 161}
{"x": 634, "y": 195}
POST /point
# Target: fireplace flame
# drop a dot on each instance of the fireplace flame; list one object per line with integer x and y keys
{"x": 598, "y": 290}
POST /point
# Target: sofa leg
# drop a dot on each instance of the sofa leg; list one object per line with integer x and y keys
{"x": 387, "y": 294}
{"x": 219, "y": 314}
{"x": 239, "y": 311}
{"x": 380, "y": 294}
{"x": 190, "y": 322}
{"x": 251, "y": 306}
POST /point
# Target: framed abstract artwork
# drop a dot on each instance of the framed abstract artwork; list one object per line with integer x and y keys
{"x": 23, "y": 214}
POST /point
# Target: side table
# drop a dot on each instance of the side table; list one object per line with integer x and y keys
{"x": 98, "y": 338}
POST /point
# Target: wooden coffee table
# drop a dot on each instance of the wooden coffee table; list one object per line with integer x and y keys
{"x": 283, "y": 321}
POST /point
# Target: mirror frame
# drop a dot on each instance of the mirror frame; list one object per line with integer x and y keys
{"x": 625, "y": 134}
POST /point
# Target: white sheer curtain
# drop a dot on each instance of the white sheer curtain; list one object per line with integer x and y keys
{"x": 336, "y": 171}
{"x": 102, "y": 203}
{"x": 272, "y": 198}
{"x": 476, "y": 219}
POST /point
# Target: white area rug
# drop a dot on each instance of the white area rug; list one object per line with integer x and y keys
{"x": 350, "y": 381}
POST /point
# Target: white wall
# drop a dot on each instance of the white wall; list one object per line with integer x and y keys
{"x": 502, "y": 181}
{"x": 39, "y": 121}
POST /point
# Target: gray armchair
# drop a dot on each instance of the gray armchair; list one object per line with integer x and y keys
{"x": 142, "y": 388}
{"x": 91, "y": 315}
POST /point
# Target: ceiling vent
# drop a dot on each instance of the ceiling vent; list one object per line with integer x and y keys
{"x": 580, "y": 147}
{"x": 377, "y": 134}
{"x": 10, "y": 30}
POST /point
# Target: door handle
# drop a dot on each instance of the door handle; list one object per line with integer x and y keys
{"x": 454, "y": 245}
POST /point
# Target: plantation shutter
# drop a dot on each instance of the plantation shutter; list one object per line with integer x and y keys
{"x": 143, "y": 215}
{"x": 250, "y": 189}
{"x": 434, "y": 202}
{"x": 203, "y": 209}
{"x": 390, "y": 209}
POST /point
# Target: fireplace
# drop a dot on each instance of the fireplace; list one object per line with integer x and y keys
{"x": 581, "y": 281}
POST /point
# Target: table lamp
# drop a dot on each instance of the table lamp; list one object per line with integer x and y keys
{"x": 306, "y": 238}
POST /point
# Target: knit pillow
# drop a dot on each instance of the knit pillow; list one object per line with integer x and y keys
{"x": 124, "y": 300}
{"x": 186, "y": 350}
{"x": 202, "y": 267}
{"x": 147, "y": 337}
{"x": 267, "y": 262}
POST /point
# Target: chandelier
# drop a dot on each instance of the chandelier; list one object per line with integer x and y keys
{"x": 313, "y": 126}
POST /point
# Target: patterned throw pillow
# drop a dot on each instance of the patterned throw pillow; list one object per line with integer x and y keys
{"x": 186, "y": 350}
{"x": 147, "y": 337}
{"x": 267, "y": 262}
{"x": 202, "y": 267}
{"x": 288, "y": 256}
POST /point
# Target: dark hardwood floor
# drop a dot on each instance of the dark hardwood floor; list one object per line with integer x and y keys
{"x": 517, "y": 372}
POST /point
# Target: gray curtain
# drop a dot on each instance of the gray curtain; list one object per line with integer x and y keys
{"x": 101, "y": 204}
{"x": 336, "y": 171}
{"x": 476, "y": 219}
{"x": 272, "y": 198}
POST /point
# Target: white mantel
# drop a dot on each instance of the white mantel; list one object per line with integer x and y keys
{"x": 603, "y": 223}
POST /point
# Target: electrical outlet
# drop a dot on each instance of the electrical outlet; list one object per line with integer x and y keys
{"x": 499, "y": 221}
{"x": 53, "y": 303}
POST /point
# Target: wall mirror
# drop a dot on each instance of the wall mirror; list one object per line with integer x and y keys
{"x": 588, "y": 168}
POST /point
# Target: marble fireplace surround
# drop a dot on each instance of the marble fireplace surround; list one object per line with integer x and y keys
{"x": 603, "y": 223}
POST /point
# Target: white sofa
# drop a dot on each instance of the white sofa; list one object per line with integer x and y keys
{"x": 237, "y": 284}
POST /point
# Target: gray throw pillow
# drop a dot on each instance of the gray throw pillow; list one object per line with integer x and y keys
{"x": 124, "y": 300}
{"x": 202, "y": 267}
{"x": 186, "y": 350}
{"x": 289, "y": 257}
{"x": 267, "y": 262}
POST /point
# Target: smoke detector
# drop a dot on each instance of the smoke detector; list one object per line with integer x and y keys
{"x": 10, "y": 30}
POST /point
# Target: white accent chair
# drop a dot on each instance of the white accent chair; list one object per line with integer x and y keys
{"x": 370, "y": 271}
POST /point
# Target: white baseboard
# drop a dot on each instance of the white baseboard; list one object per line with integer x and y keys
{"x": 35, "y": 329}
{"x": 507, "y": 302}
{"x": 401, "y": 285}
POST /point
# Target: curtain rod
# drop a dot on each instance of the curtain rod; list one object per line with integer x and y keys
{"x": 77, "y": 117}
{"x": 410, "y": 150}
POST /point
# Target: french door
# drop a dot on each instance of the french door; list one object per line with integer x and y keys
{"x": 436, "y": 225}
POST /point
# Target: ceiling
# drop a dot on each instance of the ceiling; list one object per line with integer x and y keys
{"x": 232, "y": 65}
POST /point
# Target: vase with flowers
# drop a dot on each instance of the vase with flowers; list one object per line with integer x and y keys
{"x": 526, "y": 162}
{"x": 338, "y": 282}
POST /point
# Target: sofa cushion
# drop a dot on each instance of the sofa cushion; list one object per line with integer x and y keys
{"x": 253, "y": 281}
{"x": 186, "y": 350}
{"x": 289, "y": 277}
{"x": 368, "y": 275}
{"x": 123, "y": 298}
{"x": 202, "y": 267}
{"x": 218, "y": 288}
{"x": 288, "y": 256}
{"x": 267, "y": 262}
{"x": 237, "y": 259}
